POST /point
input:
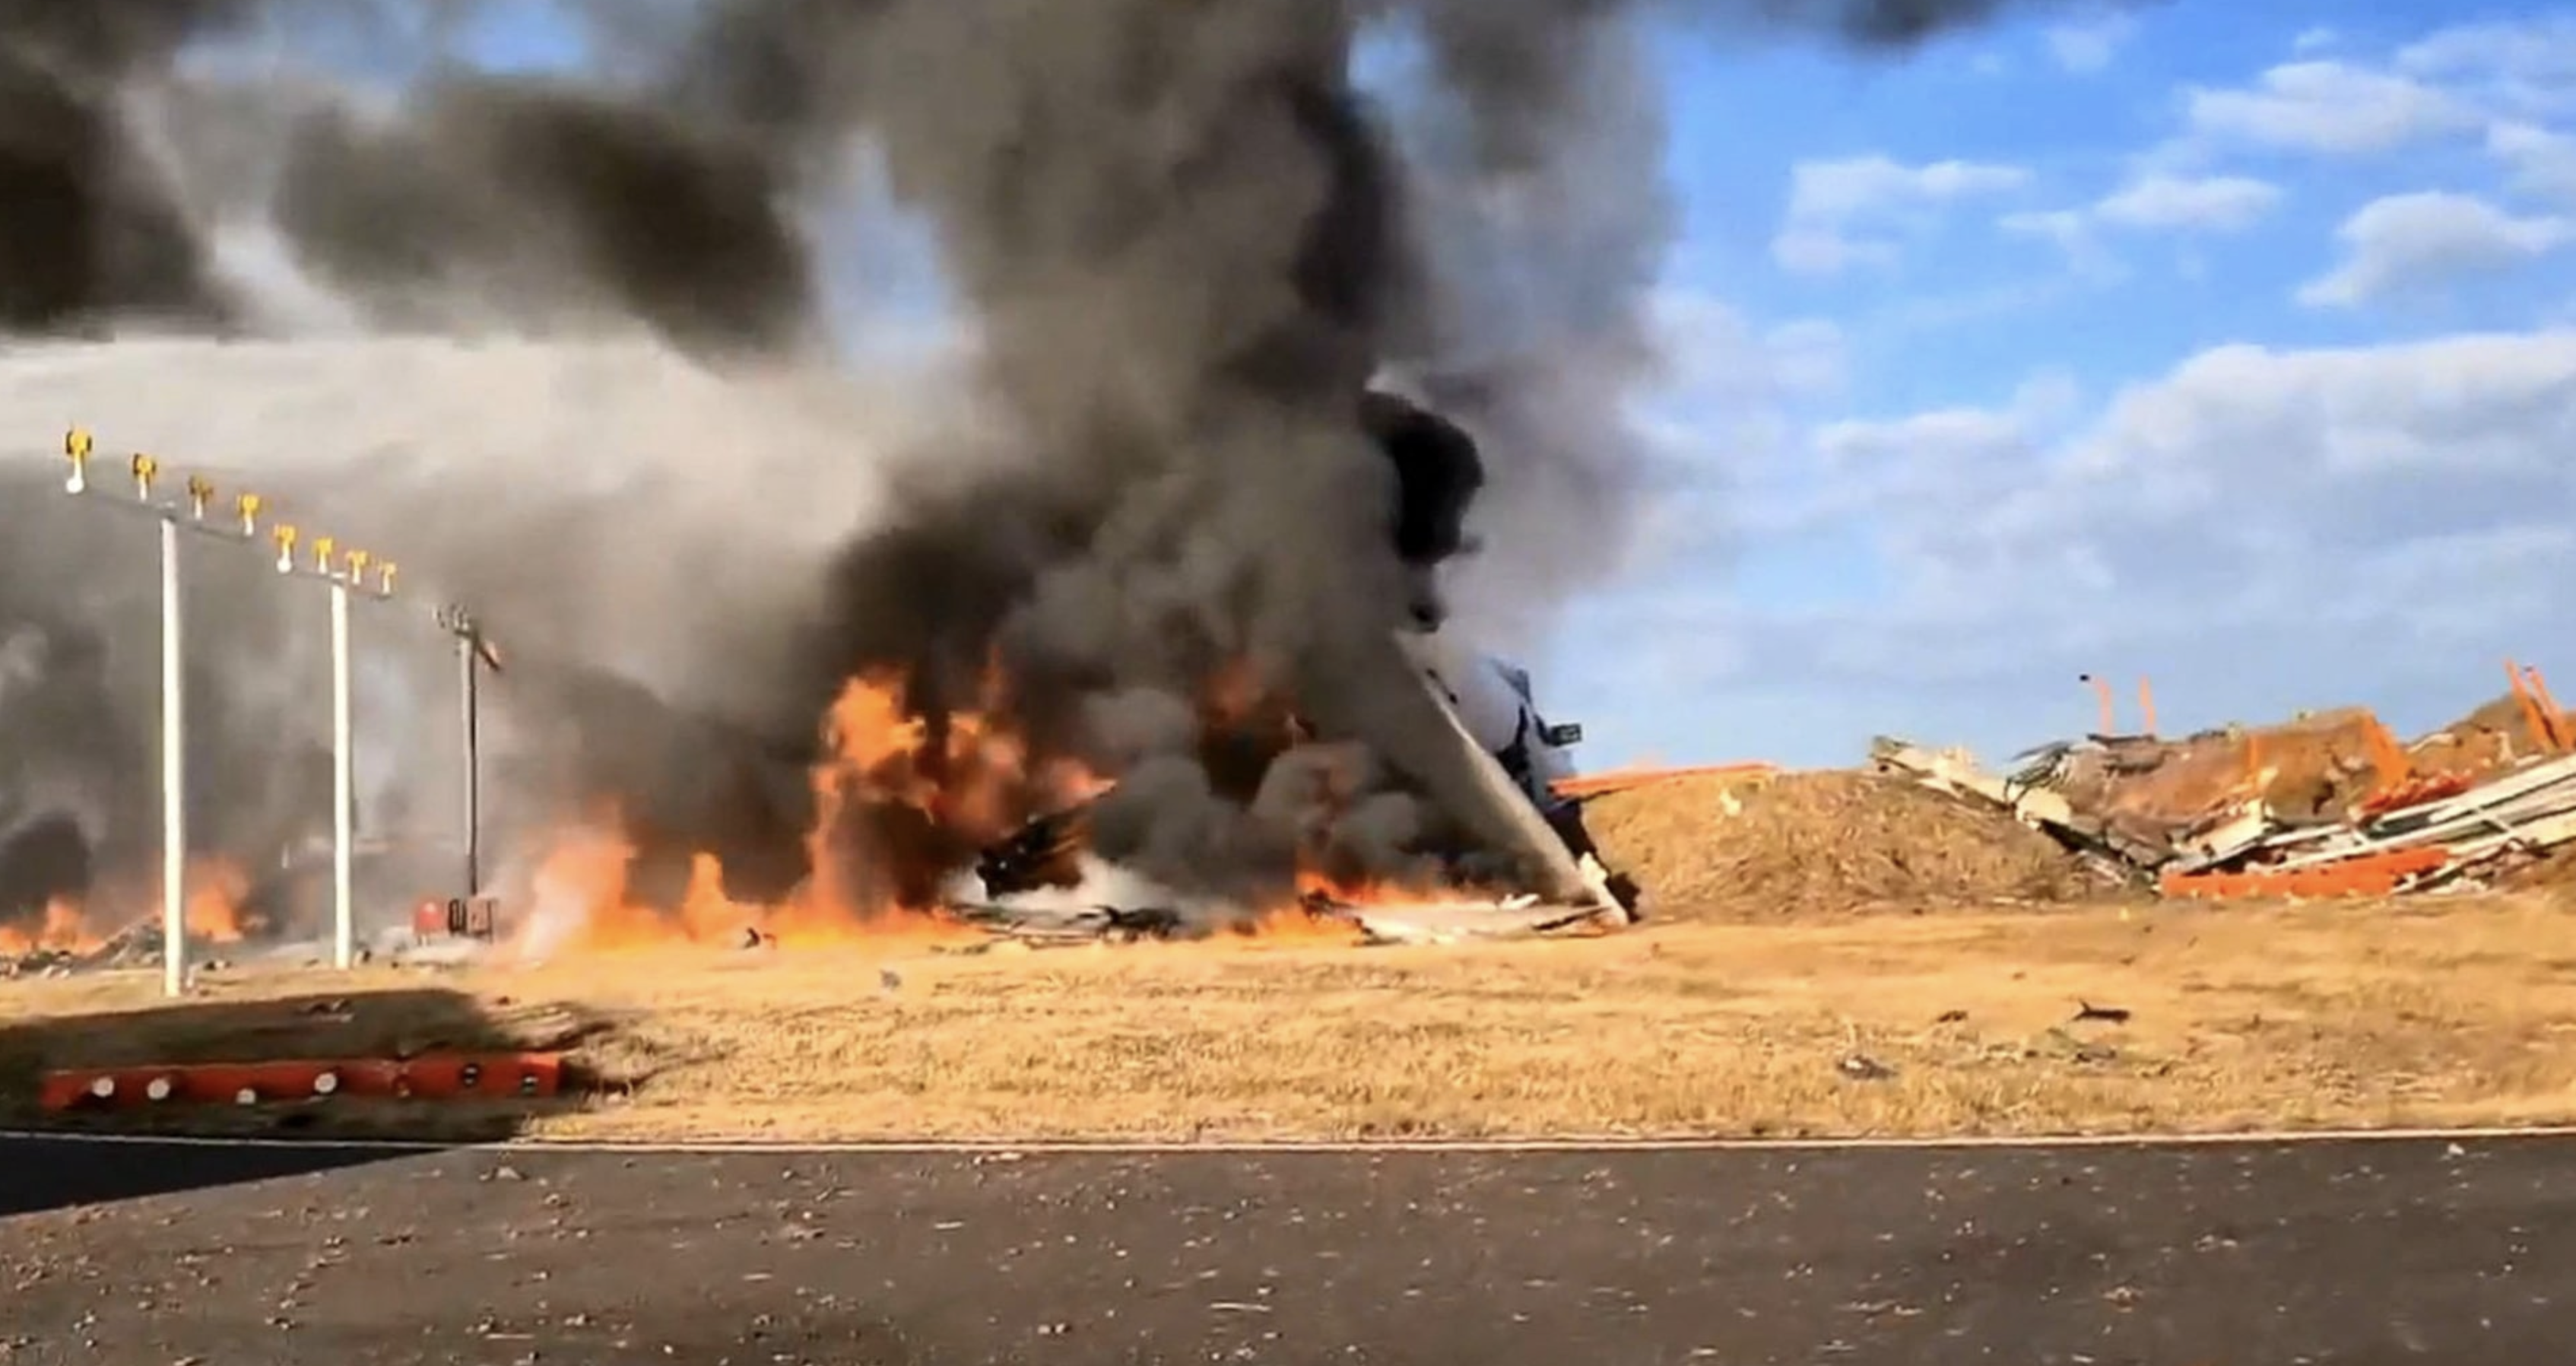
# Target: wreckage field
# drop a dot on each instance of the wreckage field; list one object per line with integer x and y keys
{"x": 2308, "y": 925}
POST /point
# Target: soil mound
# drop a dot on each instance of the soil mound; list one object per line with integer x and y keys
{"x": 1804, "y": 842}
{"x": 2319, "y": 764}
{"x": 2485, "y": 741}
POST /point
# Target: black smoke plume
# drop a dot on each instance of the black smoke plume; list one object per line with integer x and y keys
{"x": 87, "y": 231}
{"x": 1184, "y": 242}
{"x": 484, "y": 191}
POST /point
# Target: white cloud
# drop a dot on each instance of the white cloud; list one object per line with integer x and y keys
{"x": 2258, "y": 527}
{"x": 2065, "y": 227}
{"x": 1729, "y": 405}
{"x": 2520, "y": 75}
{"x": 1858, "y": 210}
{"x": 2296, "y": 509}
{"x": 2156, "y": 201}
{"x": 2463, "y": 49}
{"x": 1942, "y": 455}
{"x": 2071, "y": 232}
{"x": 1823, "y": 251}
{"x": 2330, "y": 107}
{"x": 2087, "y": 44}
{"x": 1937, "y": 440}
{"x": 2526, "y": 64}
{"x": 2190, "y": 203}
{"x": 2542, "y": 162}
{"x": 2474, "y": 403}
{"x": 2411, "y": 243}
{"x": 1809, "y": 358}
{"x": 1712, "y": 353}
{"x": 1860, "y": 186}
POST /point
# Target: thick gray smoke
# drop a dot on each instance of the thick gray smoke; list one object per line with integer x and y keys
{"x": 1188, "y": 243}
{"x": 85, "y": 231}
{"x": 1182, "y": 239}
{"x": 484, "y": 190}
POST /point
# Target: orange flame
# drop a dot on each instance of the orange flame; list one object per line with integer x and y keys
{"x": 1364, "y": 891}
{"x": 212, "y": 911}
{"x": 1301, "y": 926}
{"x": 1233, "y": 692}
{"x": 579, "y": 892}
{"x": 963, "y": 780}
{"x": 61, "y": 930}
{"x": 902, "y": 798}
{"x": 1069, "y": 782}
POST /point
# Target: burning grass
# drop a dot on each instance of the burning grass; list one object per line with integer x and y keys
{"x": 2421, "y": 1012}
{"x": 213, "y": 912}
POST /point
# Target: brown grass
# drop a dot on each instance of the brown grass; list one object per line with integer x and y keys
{"x": 2421, "y": 1012}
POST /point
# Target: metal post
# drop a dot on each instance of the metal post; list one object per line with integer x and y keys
{"x": 174, "y": 773}
{"x": 78, "y": 447}
{"x": 469, "y": 687}
{"x": 344, "y": 784}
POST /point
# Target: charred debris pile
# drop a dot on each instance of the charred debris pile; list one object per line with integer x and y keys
{"x": 2326, "y": 804}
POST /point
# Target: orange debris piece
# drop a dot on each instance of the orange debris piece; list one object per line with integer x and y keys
{"x": 440, "y": 1076}
{"x": 2361, "y": 875}
{"x": 1626, "y": 779}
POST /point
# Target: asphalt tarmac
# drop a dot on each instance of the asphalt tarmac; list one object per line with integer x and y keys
{"x": 2345, "y": 1252}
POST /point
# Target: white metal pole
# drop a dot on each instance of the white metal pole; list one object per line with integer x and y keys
{"x": 344, "y": 786}
{"x": 174, "y": 773}
{"x": 469, "y": 683}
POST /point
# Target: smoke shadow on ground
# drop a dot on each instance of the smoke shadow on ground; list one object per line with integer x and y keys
{"x": 53, "y": 1162}
{"x": 39, "y": 1173}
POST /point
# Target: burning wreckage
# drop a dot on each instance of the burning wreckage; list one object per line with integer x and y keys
{"x": 1181, "y": 277}
{"x": 951, "y": 813}
{"x": 1020, "y": 866}
{"x": 1041, "y": 882}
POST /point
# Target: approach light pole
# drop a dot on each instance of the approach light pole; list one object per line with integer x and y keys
{"x": 190, "y": 515}
{"x": 345, "y": 571}
{"x": 474, "y": 654}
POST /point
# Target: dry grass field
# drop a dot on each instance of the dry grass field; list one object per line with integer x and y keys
{"x": 1949, "y": 1021}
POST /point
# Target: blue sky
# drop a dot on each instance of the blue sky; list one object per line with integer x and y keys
{"x": 2219, "y": 344}
{"x": 2225, "y": 344}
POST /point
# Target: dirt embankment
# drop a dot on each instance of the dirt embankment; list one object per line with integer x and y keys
{"x": 2316, "y": 765}
{"x": 2496, "y": 735}
{"x": 1798, "y": 843}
